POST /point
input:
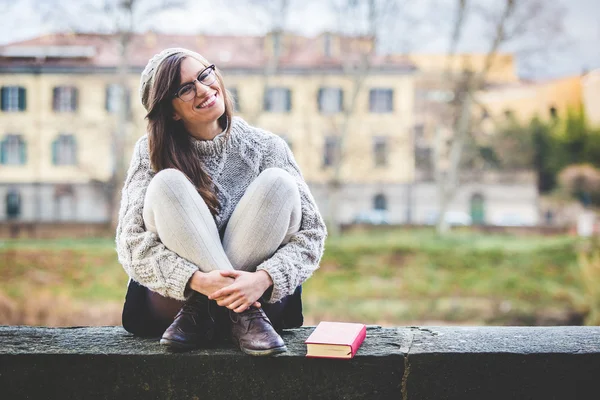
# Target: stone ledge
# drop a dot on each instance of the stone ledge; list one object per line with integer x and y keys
{"x": 402, "y": 363}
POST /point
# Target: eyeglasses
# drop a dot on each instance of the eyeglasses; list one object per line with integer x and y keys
{"x": 188, "y": 91}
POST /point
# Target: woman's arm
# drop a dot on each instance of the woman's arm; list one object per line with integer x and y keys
{"x": 144, "y": 258}
{"x": 294, "y": 262}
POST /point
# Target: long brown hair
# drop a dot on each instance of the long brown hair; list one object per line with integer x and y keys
{"x": 170, "y": 144}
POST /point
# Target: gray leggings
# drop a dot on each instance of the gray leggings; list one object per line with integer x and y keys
{"x": 267, "y": 215}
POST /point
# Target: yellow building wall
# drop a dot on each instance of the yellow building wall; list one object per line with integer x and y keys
{"x": 502, "y": 68}
{"x": 591, "y": 97}
{"x": 304, "y": 126}
{"x": 39, "y": 126}
{"x": 525, "y": 100}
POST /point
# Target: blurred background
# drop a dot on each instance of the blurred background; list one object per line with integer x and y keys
{"x": 453, "y": 147}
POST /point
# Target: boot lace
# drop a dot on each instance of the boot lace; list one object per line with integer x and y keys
{"x": 250, "y": 313}
{"x": 193, "y": 306}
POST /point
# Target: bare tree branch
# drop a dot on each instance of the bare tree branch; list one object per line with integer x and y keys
{"x": 515, "y": 21}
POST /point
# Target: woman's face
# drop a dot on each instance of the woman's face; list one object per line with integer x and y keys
{"x": 208, "y": 104}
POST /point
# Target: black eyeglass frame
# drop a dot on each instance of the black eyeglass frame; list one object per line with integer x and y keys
{"x": 210, "y": 67}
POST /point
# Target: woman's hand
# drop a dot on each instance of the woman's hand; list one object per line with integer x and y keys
{"x": 244, "y": 292}
{"x": 209, "y": 282}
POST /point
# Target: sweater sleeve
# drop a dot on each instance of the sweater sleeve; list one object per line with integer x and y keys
{"x": 145, "y": 259}
{"x": 293, "y": 263}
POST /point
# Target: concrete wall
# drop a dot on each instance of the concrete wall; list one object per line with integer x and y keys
{"x": 418, "y": 203}
{"x": 393, "y": 363}
{"x": 503, "y": 202}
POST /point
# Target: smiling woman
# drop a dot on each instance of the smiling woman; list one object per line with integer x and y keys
{"x": 217, "y": 228}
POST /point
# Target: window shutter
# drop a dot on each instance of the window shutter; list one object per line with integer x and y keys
{"x": 74, "y": 149}
{"x": 341, "y": 98}
{"x": 107, "y": 100}
{"x": 23, "y": 149}
{"x": 55, "y": 152}
{"x": 55, "y": 99}
{"x": 288, "y": 105}
{"x": 127, "y": 100}
{"x": 22, "y": 99}
{"x": 3, "y": 95}
{"x": 74, "y": 100}
{"x": 320, "y": 99}
{"x": 3, "y": 152}
{"x": 266, "y": 99}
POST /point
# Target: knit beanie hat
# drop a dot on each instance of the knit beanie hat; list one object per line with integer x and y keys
{"x": 147, "y": 79}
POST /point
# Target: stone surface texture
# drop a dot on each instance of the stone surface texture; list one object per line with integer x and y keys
{"x": 399, "y": 363}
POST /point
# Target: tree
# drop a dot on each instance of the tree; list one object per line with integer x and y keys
{"x": 521, "y": 21}
{"x": 118, "y": 20}
{"x": 361, "y": 23}
{"x": 582, "y": 181}
{"x": 274, "y": 19}
{"x": 366, "y": 21}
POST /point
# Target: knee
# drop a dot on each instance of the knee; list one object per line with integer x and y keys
{"x": 163, "y": 182}
{"x": 278, "y": 178}
{"x": 169, "y": 175}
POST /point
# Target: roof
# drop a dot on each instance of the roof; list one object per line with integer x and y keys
{"x": 228, "y": 52}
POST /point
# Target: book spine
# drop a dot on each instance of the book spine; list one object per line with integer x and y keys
{"x": 358, "y": 341}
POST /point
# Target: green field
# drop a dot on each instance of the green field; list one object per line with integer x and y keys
{"x": 395, "y": 277}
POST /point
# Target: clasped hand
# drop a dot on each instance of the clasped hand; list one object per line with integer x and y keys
{"x": 242, "y": 293}
{"x": 236, "y": 290}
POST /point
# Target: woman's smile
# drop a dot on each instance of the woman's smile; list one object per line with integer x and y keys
{"x": 209, "y": 102}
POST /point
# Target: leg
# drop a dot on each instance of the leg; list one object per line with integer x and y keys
{"x": 175, "y": 211}
{"x": 266, "y": 217}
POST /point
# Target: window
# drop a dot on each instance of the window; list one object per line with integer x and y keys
{"x": 419, "y": 135}
{"x": 278, "y": 99}
{"x": 64, "y": 98}
{"x": 13, "y": 150}
{"x": 114, "y": 97}
{"x": 381, "y": 100}
{"x": 13, "y": 204}
{"x": 13, "y": 98}
{"x": 64, "y": 150}
{"x": 380, "y": 202}
{"x": 331, "y": 100}
{"x": 380, "y": 151}
{"x": 235, "y": 99}
{"x": 330, "y": 154}
{"x": 439, "y": 96}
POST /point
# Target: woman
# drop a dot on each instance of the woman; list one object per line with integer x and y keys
{"x": 217, "y": 228}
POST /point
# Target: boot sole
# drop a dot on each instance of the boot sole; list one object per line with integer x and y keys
{"x": 263, "y": 353}
{"x": 175, "y": 345}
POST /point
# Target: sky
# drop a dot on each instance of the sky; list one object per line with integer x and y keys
{"x": 577, "y": 49}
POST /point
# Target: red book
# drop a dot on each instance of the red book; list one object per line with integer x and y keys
{"x": 335, "y": 340}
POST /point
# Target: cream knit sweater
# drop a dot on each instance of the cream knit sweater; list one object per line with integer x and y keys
{"x": 232, "y": 164}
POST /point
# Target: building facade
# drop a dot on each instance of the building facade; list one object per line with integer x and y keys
{"x": 591, "y": 96}
{"x": 61, "y": 111}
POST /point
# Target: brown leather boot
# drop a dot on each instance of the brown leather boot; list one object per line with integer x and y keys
{"x": 193, "y": 326}
{"x": 254, "y": 334}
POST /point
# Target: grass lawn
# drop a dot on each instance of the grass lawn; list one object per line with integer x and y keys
{"x": 395, "y": 277}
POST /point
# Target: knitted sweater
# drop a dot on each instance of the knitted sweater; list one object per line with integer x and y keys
{"x": 232, "y": 164}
